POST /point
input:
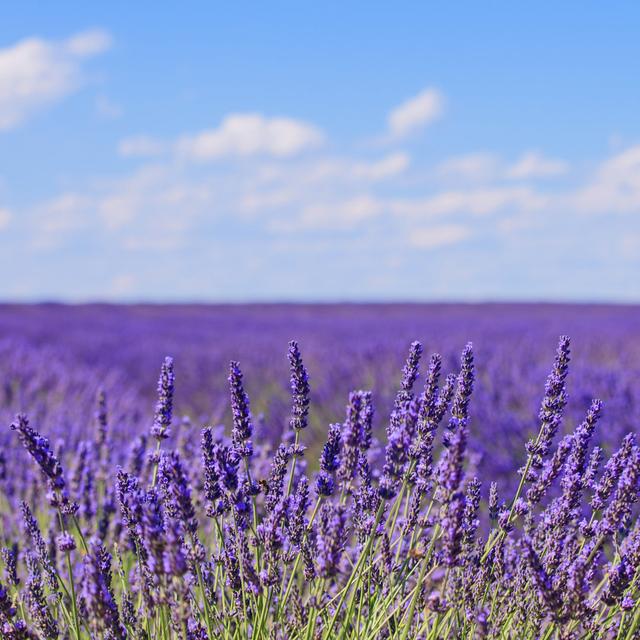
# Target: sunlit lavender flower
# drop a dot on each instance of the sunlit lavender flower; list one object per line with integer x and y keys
{"x": 553, "y": 404}
{"x": 550, "y": 471}
{"x": 33, "y": 531}
{"x": 152, "y": 523}
{"x": 410, "y": 369}
{"x": 38, "y": 447}
{"x": 36, "y": 600}
{"x": 612, "y": 471}
{"x": 275, "y": 482}
{"x": 429, "y": 396}
{"x": 174, "y": 559}
{"x": 82, "y": 481}
{"x": 98, "y": 592}
{"x": 352, "y": 436}
{"x": 366, "y": 421}
{"x": 452, "y": 529}
{"x": 299, "y": 506}
{"x": 400, "y": 430}
{"x": 329, "y": 461}
{"x": 299, "y": 388}
{"x": 242, "y": 424}
{"x": 450, "y": 466}
{"x": 164, "y": 407}
{"x": 177, "y": 492}
{"x": 541, "y": 581}
{"x": 470, "y": 521}
{"x": 573, "y": 481}
{"x": 10, "y": 559}
{"x": 331, "y": 538}
{"x": 101, "y": 419}
{"x": 464, "y": 388}
{"x": 65, "y": 542}
{"x": 625, "y": 495}
{"x": 618, "y": 578}
{"x": 212, "y": 489}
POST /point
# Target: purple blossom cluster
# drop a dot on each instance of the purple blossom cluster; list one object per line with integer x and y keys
{"x": 389, "y": 524}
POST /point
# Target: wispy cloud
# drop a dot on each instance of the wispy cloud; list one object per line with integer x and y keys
{"x": 35, "y": 73}
{"x": 471, "y": 167}
{"x": 251, "y": 134}
{"x": 534, "y": 165}
{"x": 615, "y": 187}
{"x": 415, "y": 113}
{"x": 485, "y": 167}
{"x": 438, "y": 236}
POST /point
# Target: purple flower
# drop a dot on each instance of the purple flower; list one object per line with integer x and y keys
{"x": 299, "y": 388}
{"x": 242, "y": 424}
{"x": 101, "y": 419}
{"x": 164, "y": 406}
{"x": 42, "y": 552}
{"x": 39, "y": 448}
{"x": 352, "y": 437}
{"x": 329, "y": 461}
{"x": 550, "y": 471}
{"x": 36, "y": 600}
{"x": 299, "y": 506}
{"x": 618, "y": 578}
{"x": 626, "y": 494}
{"x": 464, "y": 388}
{"x": 275, "y": 482}
{"x": 65, "y": 542}
{"x": 553, "y": 404}
{"x": 177, "y": 492}
{"x": 212, "y": 489}
{"x": 10, "y": 559}
{"x": 452, "y": 529}
{"x": 612, "y": 471}
{"x": 98, "y": 593}
{"x": 331, "y": 538}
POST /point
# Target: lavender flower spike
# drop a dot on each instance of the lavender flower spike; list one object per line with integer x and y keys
{"x": 299, "y": 388}
{"x": 242, "y": 424}
{"x": 329, "y": 462}
{"x": 39, "y": 448}
{"x": 164, "y": 407}
{"x": 553, "y": 404}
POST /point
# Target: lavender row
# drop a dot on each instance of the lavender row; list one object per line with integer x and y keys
{"x": 207, "y": 532}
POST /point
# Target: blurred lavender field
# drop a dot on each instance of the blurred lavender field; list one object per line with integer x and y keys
{"x": 53, "y": 360}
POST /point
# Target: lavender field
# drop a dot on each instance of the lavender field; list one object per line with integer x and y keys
{"x": 337, "y": 471}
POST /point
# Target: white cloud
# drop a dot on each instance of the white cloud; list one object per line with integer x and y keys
{"x": 141, "y": 146}
{"x": 440, "y": 236}
{"x": 88, "y": 43}
{"x": 416, "y": 113}
{"x": 247, "y": 134}
{"x": 388, "y": 167}
{"x": 59, "y": 217}
{"x": 534, "y": 165}
{"x": 35, "y": 73}
{"x": 477, "y": 202}
{"x": 5, "y": 218}
{"x": 334, "y": 215}
{"x": 615, "y": 188}
{"x": 471, "y": 167}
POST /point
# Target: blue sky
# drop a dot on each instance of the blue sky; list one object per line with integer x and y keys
{"x": 334, "y": 151}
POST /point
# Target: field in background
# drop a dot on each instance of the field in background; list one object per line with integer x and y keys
{"x": 54, "y": 358}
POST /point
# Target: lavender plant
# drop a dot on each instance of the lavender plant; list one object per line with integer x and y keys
{"x": 218, "y": 533}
